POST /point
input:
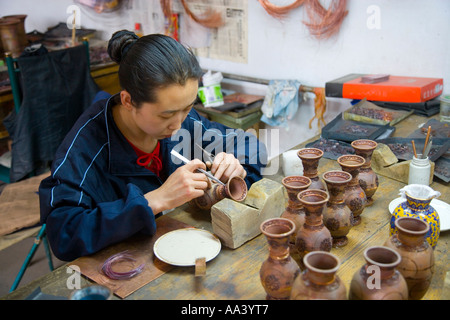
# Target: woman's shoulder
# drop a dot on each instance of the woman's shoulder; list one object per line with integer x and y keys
{"x": 88, "y": 133}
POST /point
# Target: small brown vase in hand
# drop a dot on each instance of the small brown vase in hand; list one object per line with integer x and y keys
{"x": 235, "y": 189}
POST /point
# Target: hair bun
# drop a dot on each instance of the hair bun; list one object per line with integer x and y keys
{"x": 120, "y": 43}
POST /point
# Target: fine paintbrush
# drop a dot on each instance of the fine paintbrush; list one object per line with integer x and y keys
{"x": 209, "y": 175}
{"x": 428, "y": 148}
{"x": 426, "y": 142}
{"x": 414, "y": 148}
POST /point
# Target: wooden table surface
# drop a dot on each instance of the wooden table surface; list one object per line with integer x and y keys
{"x": 234, "y": 274}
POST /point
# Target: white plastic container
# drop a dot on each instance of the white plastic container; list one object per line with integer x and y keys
{"x": 292, "y": 165}
{"x": 419, "y": 171}
{"x": 444, "y": 114}
{"x": 211, "y": 92}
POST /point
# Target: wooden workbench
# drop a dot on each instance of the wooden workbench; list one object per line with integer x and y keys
{"x": 234, "y": 274}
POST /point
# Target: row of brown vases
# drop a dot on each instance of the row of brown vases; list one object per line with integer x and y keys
{"x": 305, "y": 209}
{"x": 314, "y": 219}
{"x": 360, "y": 190}
{"x": 332, "y": 216}
{"x": 400, "y": 270}
{"x": 347, "y": 197}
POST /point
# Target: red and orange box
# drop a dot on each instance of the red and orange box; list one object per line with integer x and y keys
{"x": 389, "y": 88}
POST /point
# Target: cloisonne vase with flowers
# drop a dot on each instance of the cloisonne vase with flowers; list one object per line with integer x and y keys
{"x": 417, "y": 205}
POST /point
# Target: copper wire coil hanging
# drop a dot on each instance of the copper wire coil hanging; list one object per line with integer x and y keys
{"x": 210, "y": 19}
{"x": 323, "y": 23}
{"x": 280, "y": 11}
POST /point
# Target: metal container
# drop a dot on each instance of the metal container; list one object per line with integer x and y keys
{"x": 12, "y": 33}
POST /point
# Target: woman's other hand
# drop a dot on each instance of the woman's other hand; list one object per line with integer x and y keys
{"x": 225, "y": 166}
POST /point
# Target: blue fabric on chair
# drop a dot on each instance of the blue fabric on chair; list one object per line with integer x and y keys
{"x": 56, "y": 87}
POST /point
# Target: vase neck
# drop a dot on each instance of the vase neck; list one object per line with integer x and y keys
{"x": 354, "y": 173}
{"x": 294, "y": 207}
{"x": 310, "y": 168}
{"x": 355, "y": 178}
{"x": 367, "y": 157}
{"x": 293, "y": 203}
{"x": 383, "y": 272}
{"x": 336, "y": 192}
{"x": 411, "y": 240}
{"x": 411, "y": 232}
{"x": 320, "y": 278}
{"x": 278, "y": 248}
{"x": 313, "y": 218}
{"x": 418, "y": 204}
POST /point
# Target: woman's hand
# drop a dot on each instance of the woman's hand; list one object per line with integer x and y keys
{"x": 225, "y": 166}
{"x": 182, "y": 186}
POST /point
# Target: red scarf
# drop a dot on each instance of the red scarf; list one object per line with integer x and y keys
{"x": 151, "y": 161}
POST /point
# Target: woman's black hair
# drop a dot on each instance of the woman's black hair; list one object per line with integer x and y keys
{"x": 151, "y": 62}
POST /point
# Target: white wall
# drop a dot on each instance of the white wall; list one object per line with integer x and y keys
{"x": 412, "y": 39}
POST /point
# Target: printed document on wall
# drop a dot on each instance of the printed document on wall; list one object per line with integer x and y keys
{"x": 230, "y": 41}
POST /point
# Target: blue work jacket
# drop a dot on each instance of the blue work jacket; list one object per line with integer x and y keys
{"x": 94, "y": 196}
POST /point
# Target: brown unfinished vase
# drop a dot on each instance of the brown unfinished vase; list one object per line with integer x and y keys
{"x": 355, "y": 198}
{"x": 310, "y": 159}
{"x": 379, "y": 278}
{"x": 319, "y": 280}
{"x": 337, "y": 216}
{"x": 368, "y": 179}
{"x": 417, "y": 266}
{"x": 313, "y": 235}
{"x": 279, "y": 270}
{"x": 235, "y": 189}
{"x": 294, "y": 210}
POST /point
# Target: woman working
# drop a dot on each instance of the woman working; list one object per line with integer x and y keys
{"x": 113, "y": 172}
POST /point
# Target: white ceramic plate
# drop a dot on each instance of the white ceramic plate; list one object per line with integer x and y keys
{"x": 442, "y": 208}
{"x": 183, "y": 246}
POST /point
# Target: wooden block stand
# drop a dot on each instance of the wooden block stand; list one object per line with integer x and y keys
{"x": 235, "y": 223}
